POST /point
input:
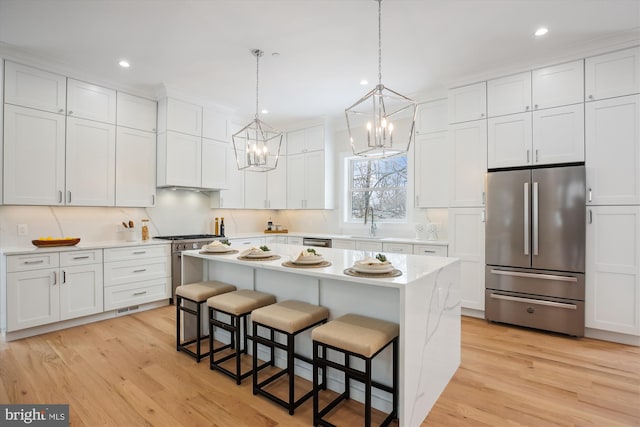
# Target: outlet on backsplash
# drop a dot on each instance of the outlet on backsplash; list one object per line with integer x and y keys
{"x": 23, "y": 230}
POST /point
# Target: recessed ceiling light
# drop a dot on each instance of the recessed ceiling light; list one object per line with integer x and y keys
{"x": 275, "y": 54}
{"x": 124, "y": 63}
{"x": 363, "y": 82}
{"x": 541, "y": 31}
{"x": 265, "y": 111}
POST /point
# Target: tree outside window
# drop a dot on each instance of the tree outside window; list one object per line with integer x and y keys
{"x": 380, "y": 184}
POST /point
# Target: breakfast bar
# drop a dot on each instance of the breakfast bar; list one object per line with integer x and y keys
{"x": 424, "y": 300}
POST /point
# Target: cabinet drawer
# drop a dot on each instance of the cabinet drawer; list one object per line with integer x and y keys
{"x": 430, "y": 250}
{"x": 80, "y": 257}
{"x": 121, "y": 272}
{"x": 343, "y": 244}
{"x": 365, "y": 245}
{"x": 294, "y": 240}
{"x": 135, "y": 252}
{"x": 136, "y": 293}
{"x": 398, "y": 248}
{"x": 32, "y": 262}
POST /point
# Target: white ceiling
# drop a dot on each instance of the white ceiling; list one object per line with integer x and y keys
{"x": 202, "y": 48}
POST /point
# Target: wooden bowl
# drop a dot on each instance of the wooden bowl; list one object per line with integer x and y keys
{"x": 56, "y": 242}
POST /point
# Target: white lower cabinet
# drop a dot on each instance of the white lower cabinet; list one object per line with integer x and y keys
{"x": 136, "y": 275}
{"x": 48, "y": 288}
{"x": 466, "y": 242}
{"x": 368, "y": 245}
{"x": 245, "y": 243}
{"x": 612, "y": 297}
{"x": 397, "y": 248}
{"x": 343, "y": 244}
{"x": 430, "y": 250}
{"x": 294, "y": 240}
{"x": 277, "y": 239}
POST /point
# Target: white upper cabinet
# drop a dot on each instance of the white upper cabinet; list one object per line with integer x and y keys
{"x": 92, "y": 102}
{"x": 558, "y": 135}
{"x": 179, "y": 116}
{"x": 467, "y": 103}
{"x": 34, "y": 88}
{"x": 214, "y": 163}
{"x": 277, "y": 185}
{"x": 34, "y": 157}
{"x": 90, "y": 163}
{"x": 509, "y": 141}
{"x": 233, "y": 194}
{"x": 303, "y": 140}
{"x": 179, "y": 160}
{"x": 136, "y": 113}
{"x": 135, "y": 167}
{"x": 509, "y": 95}
{"x": 468, "y": 160}
{"x": 612, "y": 145}
{"x": 558, "y": 85}
{"x": 612, "y": 74}
{"x": 432, "y": 117}
{"x": 214, "y": 125}
{"x": 255, "y": 190}
{"x": 432, "y": 166}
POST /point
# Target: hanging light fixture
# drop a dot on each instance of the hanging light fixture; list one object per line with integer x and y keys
{"x": 257, "y": 145}
{"x": 372, "y": 120}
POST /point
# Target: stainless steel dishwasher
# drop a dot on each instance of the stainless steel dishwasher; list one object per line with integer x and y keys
{"x": 312, "y": 241}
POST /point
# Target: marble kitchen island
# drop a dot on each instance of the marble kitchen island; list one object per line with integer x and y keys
{"x": 424, "y": 301}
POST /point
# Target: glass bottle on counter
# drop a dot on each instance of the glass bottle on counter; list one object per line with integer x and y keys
{"x": 216, "y": 226}
{"x": 222, "y": 226}
{"x": 145, "y": 229}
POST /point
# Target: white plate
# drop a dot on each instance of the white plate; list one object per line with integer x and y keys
{"x": 366, "y": 268}
{"x": 217, "y": 249}
{"x": 308, "y": 260}
{"x": 262, "y": 254}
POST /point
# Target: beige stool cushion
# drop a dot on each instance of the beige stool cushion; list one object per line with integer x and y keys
{"x": 240, "y": 302}
{"x": 289, "y": 316}
{"x": 201, "y": 291}
{"x": 357, "y": 334}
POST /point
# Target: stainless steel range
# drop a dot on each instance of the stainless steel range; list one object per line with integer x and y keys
{"x": 181, "y": 243}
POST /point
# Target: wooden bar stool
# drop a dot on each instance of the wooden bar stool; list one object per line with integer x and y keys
{"x": 197, "y": 293}
{"x": 238, "y": 305}
{"x": 360, "y": 337}
{"x": 288, "y": 318}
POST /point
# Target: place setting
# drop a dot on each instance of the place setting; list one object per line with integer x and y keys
{"x": 262, "y": 253}
{"x": 373, "y": 267}
{"x": 308, "y": 258}
{"x": 218, "y": 248}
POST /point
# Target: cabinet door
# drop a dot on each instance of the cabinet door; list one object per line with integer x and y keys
{"x": 214, "y": 125}
{"x": 277, "y": 185}
{"x": 467, "y": 103}
{"x": 34, "y": 151}
{"x": 314, "y": 138}
{"x": 90, "y": 163}
{"x": 343, "y": 244}
{"x": 368, "y": 245}
{"x": 509, "y": 95}
{"x": 296, "y": 142}
{"x": 558, "y": 85}
{"x": 314, "y": 180}
{"x": 397, "y": 248}
{"x": 233, "y": 194}
{"x": 432, "y": 117}
{"x": 183, "y": 160}
{"x": 432, "y": 170}
{"x": 612, "y": 74}
{"x": 558, "y": 135}
{"x": 214, "y": 163}
{"x": 430, "y": 250}
{"x": 135, "y": 167}
{"x": 81, "y": 291}
{"x": 32, "y": 298}
{"x": 296, "y": 181}
{"x": 92, "y": 102}
{"x": 30, "y": 87}
{"x": 612, "y": 298}
{"x": 184, "y": 117}
{"x": 136, "y": 112}
{"x": 509, "y": 141}
{"x": 255, "y": 190}
{"x": 466, "y": 241}
{"x": 612, "y": 151}
{"x": 468, "y": 148}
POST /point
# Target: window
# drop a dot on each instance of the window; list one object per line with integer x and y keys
{"x": 379, "y": 183}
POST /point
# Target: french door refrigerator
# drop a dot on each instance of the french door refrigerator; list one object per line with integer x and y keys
{"x": 535, "y": 248}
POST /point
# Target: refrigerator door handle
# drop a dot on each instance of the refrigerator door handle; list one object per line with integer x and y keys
{"x": 535, "y": 301}
{"x": 526, "y": 218}
{"x": 535, "y": 275}
{"x": 535, "y": 218}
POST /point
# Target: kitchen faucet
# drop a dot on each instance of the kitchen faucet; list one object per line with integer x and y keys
{"x": 373, "y": 227}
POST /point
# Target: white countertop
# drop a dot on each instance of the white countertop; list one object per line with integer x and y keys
{"x": 22, "y": 250}
{"x": 413, "y": 267}
{"x": 342, "y": 237}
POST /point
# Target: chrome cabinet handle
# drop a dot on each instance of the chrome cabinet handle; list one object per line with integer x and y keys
{"x": 39, "y": 261}
{"x": 481, "y": 114}
{"x": 590, "y": 96}
{"x": 140, "y": 270}
{"x": 153, "y": 199}
{"x": 526, "y": 218}
{"x": 64, "y": 276}
{"x": 61, "y": 110}
{"x": 139, "y": 293}
{"x": 70, "y": 112}
{"x": 535, "y": 106}
{"x": 69, "y": 196}
{"x": 139, "y": 252}
{"x": 526, "y": 108}
{"x": 59, "y": 196}
{"x": 81, "y": 257}
{"x": 483, "y": 217}
{"x": 527, "y": 155}
{"x": 484, "y": 198}
{"x": 590, "y": 194}
{"x": 590, "y": 216}
{"x": 535, "y": 218}
{"x": 537, "y": 157}
{"x": 427, "y": 251}
{"x": 55, "y": 278}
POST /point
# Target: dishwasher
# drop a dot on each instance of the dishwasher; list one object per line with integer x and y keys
{"x": 312, "y": 241}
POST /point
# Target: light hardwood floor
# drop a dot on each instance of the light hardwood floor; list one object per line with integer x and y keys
{"x": 126, "y": 372}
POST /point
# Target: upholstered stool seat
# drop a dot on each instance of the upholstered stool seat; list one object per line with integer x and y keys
{"x": 197, "y": 293}
{"x": 363, "y": 338}
{"x": 238, "y": 305}
{"x": 288, "y": 318}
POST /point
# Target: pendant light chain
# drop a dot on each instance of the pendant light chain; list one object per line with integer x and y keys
{"x": 258, "y": 54}
{"x": 379, "y": 42}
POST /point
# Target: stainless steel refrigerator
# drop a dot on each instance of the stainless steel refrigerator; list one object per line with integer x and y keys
{"x": 535, "y": 248}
